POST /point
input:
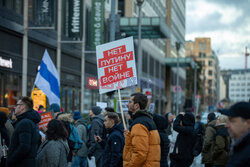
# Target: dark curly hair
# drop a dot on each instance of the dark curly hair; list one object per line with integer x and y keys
{"x": 56, "y": 130}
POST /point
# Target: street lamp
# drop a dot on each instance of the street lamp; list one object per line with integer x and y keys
{"x": 178, "y": 46}
{"x": 139, "y": 52}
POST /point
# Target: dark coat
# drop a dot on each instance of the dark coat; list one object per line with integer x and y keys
{"x": 240, "y": 154}
{"x": 220, "y": 146}
{"x": 162, "y": 124}
{"x": 97, "y": 128}
{"x": 114, "y": 144}
{"x": 183, "y": 150}
{"x": 25, "y": 140}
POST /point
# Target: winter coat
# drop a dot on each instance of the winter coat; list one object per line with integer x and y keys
{"x": 82, "y": 131}
{"x": 207, "y": 144}
{"x": 114, "y": 144}
{"x": 97, "y": 128}
{"x": 53, "y": 153}
{"x": 220, "y": 146}
{"x": 183, "y": 150}
{"x": 142, "y": 142}
{"x": 25, "y": 140}
{"x": 240, "y": 153}
{"x": 162, "y": 124}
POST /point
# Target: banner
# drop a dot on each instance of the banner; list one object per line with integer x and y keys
{"x": 45, "y": 118}
{"x": 75, "y": 16}
{"x": 44, "y": 12}
{"x": 97, "y": 23}
{"x": 39, "y": 98}
{"x": 116, "y": 65}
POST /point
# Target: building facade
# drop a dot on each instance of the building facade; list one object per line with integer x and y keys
{"x": 239, "y": 85}
{"x": 11, "y": 41}
{"x": 153, "y": 51}
{"x": 201, "y": 51}
{"x": 175, "y": 18}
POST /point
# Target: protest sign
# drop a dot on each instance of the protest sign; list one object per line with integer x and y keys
{"x": 45, "y": 118}
{"x": 116, "y": 65}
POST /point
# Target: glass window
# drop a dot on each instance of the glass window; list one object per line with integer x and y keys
{"x": 210, "y": 63}
{"x": 210, "y": 72}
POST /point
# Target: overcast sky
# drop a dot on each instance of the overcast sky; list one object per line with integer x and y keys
{"x": 227, "y": 22}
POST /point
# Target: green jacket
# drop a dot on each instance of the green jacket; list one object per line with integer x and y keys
{"x": 220, "y": 146}
{"x": 207, "y": 144}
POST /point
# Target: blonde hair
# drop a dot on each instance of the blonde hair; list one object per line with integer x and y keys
{"x": 223, "y": 119}
{"x": 65, "y": 117}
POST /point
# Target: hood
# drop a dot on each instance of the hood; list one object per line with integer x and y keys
{"x": 160, "y": 121}
{"x": 30, "y": 114}
{"x": 99, "y": 116}
{"x": 118, "y": 127}
{"x": 212, "y": 123}
{"x": 188, "y": 119}
{"x": 142, "y": 113}
{"x": 81, "y": 121}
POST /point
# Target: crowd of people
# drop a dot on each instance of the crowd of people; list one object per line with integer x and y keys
{"x": 103, "y": 141}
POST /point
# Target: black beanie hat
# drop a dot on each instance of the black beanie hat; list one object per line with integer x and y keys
{"x": 96, "y": 110}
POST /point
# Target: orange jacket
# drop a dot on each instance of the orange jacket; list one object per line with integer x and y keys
{"x": 142, "y": 143}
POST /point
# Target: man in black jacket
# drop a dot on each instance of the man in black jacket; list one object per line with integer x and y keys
{"x": 239, "y": 128}
{"x": 182, "y": 155}
{"x": 114, "y": 143}
{"x": 25, "y": 139}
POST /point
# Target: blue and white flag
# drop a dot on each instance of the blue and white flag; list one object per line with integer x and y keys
{"x": 47, "y": 79}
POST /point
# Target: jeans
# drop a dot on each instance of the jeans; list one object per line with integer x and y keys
{"x": 79, "y": 161}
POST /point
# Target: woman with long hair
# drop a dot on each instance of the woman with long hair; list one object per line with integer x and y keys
{"x": 54, "y": 150}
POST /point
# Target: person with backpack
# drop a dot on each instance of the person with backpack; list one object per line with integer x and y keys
{"x": 208, "y": 139}
{"x": 97, "y": 128}
{"x": 221, "y": 142}
{"x": 182, "y": 155}
{"x": 74, "y": 140}
{"x": 80, "y": 156}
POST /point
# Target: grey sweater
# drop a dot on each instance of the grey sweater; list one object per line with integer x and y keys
{"x": 53, "y": 153}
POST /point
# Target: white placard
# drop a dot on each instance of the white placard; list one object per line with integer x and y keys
{"x": 116, "y": 65}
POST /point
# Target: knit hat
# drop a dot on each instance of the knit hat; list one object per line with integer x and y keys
{"x": 55, "y": 107}
{"x": 96, "y": 110}
{"x": 188, "y": 119}
{"x": 77, "y": 115}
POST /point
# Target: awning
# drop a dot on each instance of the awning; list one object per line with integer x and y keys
{"x": 151, "y": 27}
{"x": 183, "y": 62}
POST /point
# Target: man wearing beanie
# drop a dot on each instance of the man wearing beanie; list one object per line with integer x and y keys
{"x": 97, "y": 128}
{"x": 80, "y": 157}
{"x": 182, "y": 155}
